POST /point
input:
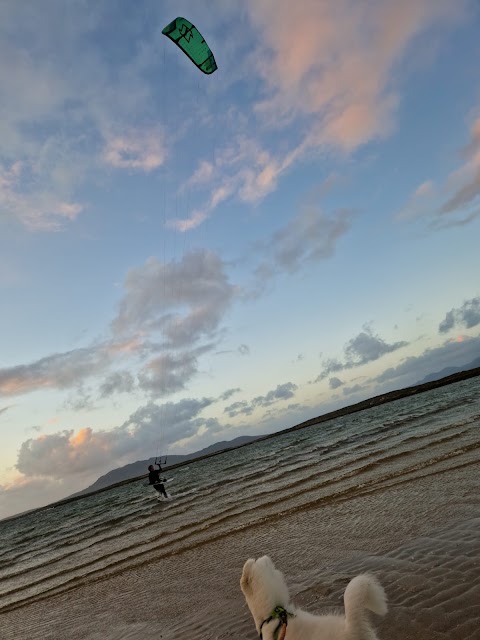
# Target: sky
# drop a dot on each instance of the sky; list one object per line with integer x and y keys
{"x": 187, "y": 258}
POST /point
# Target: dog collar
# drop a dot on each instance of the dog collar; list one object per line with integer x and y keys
{"x": 282, "y": 615}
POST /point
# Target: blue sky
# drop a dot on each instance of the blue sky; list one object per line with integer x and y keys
{"x": 188, "y": 258}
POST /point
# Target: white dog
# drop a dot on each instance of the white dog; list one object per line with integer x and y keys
{"x": 275, "y": 616}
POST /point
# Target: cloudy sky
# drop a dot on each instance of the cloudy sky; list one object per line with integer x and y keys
{"x": 188, "y": 258}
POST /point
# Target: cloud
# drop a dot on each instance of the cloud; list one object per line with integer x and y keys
{"x": 167, "y": 423}
{"x": 168, "y": 373}
{"x": 58, "y": 371}
{"x": 454, "y": 203}
{"x": 226, "y": 395}
{"x": 340, "y": 67}
{"x": 179, "y": 303}
{"x": 334, "y": 383}
{"x": 187, "y": 224}
{"x": 353, "y": 390}
{"x": 242, "y": 168}
{"x": 452, "y": 353}
{"x": 281, "y": 392}
{"x": 242, "y": 407}
{"x": 117, "y": 382}
{"x": 468, "y": 316}
{"x": 328, "y": 74}
{"x": 81, "y": 399}
{"x": 184, "y": 300}
{"x": 309, "y": 237}
{"x": 50, "y": 466}
{"x": 244, "y": 350}
{"x": 330, "y": 366}
{"x": 366, "y": 348}
{"x": 64, "y": 115}
{"x": 69, "y": 370}
{"x": 362, "y": 349}
{"x": 465, "y": 181}
{"x": 70, "y": 453}
{"x": 138, "y": 150}
{"x": 420, "y": 202}
{"x": 25, "y": 493}
{"x": 38, "y": 209}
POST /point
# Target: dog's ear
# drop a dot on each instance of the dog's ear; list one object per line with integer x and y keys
{"x": 246, "y": 579}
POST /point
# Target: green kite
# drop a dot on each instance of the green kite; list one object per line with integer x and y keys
{"x": 186, "y": 36}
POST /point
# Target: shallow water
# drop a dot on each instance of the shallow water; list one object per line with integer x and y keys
{"x": 392, "y": 490}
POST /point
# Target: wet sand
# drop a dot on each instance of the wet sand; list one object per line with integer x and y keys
{"x": 420, "y": 538}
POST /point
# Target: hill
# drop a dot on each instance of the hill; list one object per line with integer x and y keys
{"x": 448, "y": 371}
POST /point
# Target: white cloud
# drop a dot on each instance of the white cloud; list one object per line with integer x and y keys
{"x": 138, "y": 150}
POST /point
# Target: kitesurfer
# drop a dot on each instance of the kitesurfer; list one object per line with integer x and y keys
{"x": 154, "y": 478}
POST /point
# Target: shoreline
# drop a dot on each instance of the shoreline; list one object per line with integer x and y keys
{"x": 375, "y": 401}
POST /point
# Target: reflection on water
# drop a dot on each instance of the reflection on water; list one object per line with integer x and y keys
{"x": 355, "y": 490}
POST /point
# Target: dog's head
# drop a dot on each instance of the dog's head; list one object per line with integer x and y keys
{"x": 264, "y": 588}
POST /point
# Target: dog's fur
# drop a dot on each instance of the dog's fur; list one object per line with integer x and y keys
{"x": 264, "y": 588}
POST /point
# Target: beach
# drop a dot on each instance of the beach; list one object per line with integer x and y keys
{"x": 392, "y": 490}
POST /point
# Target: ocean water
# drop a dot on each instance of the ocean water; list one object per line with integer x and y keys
{"x": 393, "y": 490}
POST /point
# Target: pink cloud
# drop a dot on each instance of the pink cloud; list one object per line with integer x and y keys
{"x": 420, "y": 203}
{"x": 337, "y": 61}
{"x": 459, "y": 193}
{"x": 464, "y": 182}
{"x": 424, "y": 189}
{"x": 243, "y": 167}
{"x": 332, "y": 70}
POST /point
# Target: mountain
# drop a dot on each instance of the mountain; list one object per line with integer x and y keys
{"x": 140, "y": 468}
{"x": 448, "y": 371}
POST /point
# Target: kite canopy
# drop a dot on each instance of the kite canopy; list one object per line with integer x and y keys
{"x": 186, "y": 36}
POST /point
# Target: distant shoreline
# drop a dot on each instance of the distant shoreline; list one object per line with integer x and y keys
{"x": 376, "y": 401}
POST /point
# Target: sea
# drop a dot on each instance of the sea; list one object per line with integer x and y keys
{"x": 393, "y": 490}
